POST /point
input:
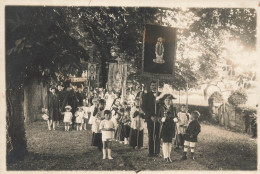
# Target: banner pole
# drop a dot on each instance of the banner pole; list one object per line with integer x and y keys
{"x": 155, "y": 109}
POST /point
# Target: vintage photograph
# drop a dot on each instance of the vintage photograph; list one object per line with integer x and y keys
{"x": 86, "y": 88}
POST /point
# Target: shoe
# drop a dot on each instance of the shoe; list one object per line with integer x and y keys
{"x": 110, "y": 158}
{"x": 169, "y": 160}
{"x": 183, "y": 157}
{"x": 166, "y": 159}
{"x": 193, "y": 158}
{"x": 104, "y": 157}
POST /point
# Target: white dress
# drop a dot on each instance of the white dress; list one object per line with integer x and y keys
{"x": 183, "y": 122}
{"x": 91, "y": 118}
{"x": 136, "y": 122}
{"x": 67, "y": 117}
{"x": 79, "y": 117}
{"x": 107, "y": 135}
{"x": 86, "y": 111}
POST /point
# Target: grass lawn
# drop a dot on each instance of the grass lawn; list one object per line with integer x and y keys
{"x": 217, "y": 149}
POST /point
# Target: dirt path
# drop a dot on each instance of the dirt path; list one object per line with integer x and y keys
{"x": 58, "y": 150}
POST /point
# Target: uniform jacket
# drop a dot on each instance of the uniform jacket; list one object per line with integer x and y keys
{"x": 192, "y": 130}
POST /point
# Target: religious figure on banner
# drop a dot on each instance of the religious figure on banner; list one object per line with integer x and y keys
{"x": 117, "y": 81}
{"x": 159, "y": 50}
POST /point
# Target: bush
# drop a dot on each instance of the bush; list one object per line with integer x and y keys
{"x": 238, "y": 97}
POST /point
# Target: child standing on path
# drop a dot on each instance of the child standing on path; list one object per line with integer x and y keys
{"x": 182, "y": 124}
{"x": 98, "y": 117}
{"x": 137, "y": 126}
{"x": 107, "y": 127}
{"x": 126, "y": 125}
{"x": 191, "y": 135}
{"x": 67, "y": 117}
{"x": 79, "y": 118}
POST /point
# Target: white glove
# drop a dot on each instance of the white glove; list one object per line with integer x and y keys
{"x": 163, "y": 119}
{"x": 175, "y": 120}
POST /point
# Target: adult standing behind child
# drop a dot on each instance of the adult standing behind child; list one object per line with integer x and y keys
{"x": 191, "y": 136}
{"x": 107, "y": 127}
{"x": 151, "y": 117}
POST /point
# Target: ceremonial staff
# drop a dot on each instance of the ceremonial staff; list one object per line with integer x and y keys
{"x": 155, "y": 111}
{"x": 138, "y": 130}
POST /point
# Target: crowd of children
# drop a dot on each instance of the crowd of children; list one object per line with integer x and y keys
{"x": 114, "y": 119}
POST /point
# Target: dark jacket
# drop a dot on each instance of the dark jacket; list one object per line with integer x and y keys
{"x": 193, "y": 131}
{"x": 70, "y": 99}
{"x": 148, "y": 105}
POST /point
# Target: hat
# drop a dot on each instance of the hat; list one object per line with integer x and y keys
{"x": 167, "y": 96}
{"x": 68, "y": 107}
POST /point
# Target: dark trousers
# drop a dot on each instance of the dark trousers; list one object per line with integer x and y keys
{"x": 154, "y": 139}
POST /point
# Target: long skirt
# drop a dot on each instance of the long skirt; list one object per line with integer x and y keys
{"x": 136, "y": 139}
{"x": 97, "y": 140}
{"x": 126, "y": 131}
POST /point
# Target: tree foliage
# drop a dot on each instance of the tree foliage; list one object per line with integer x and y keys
{"x": 238, "y": 97}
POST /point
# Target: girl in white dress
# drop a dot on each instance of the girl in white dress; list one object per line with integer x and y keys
{"x": 107, "y": 127}
{"x": 79, "y": 118}
{"x": 67, "y": 117}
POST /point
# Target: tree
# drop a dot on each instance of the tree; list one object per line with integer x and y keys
{"x": 238, "y": 97}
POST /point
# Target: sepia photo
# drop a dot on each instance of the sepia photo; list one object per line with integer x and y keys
{"x": 130, "y": 87}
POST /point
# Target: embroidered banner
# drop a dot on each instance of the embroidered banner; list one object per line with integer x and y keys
{"x": 92, "y": 71}
{"x": 159, "y": 50}
{"x": 117, "y": 75}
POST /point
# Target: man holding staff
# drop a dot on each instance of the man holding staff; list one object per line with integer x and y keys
{"x": 153, "y": 125}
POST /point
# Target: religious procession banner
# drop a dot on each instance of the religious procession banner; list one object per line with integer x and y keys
{"x": 159, "y": 50}
{"x": 92, "y": 69}
{"x": 117, "y": 76}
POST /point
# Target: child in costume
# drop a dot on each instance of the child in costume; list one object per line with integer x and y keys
{"x": 191, "y": 136}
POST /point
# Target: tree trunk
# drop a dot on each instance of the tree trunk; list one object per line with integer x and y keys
{"x": 16, "y": 141}
{"x": 34, "y": 94}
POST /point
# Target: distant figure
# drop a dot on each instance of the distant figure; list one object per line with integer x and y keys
{"x": 159, "y": 50}
{"x": 67, "y": 117}
{"x": 53, "y": 108}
